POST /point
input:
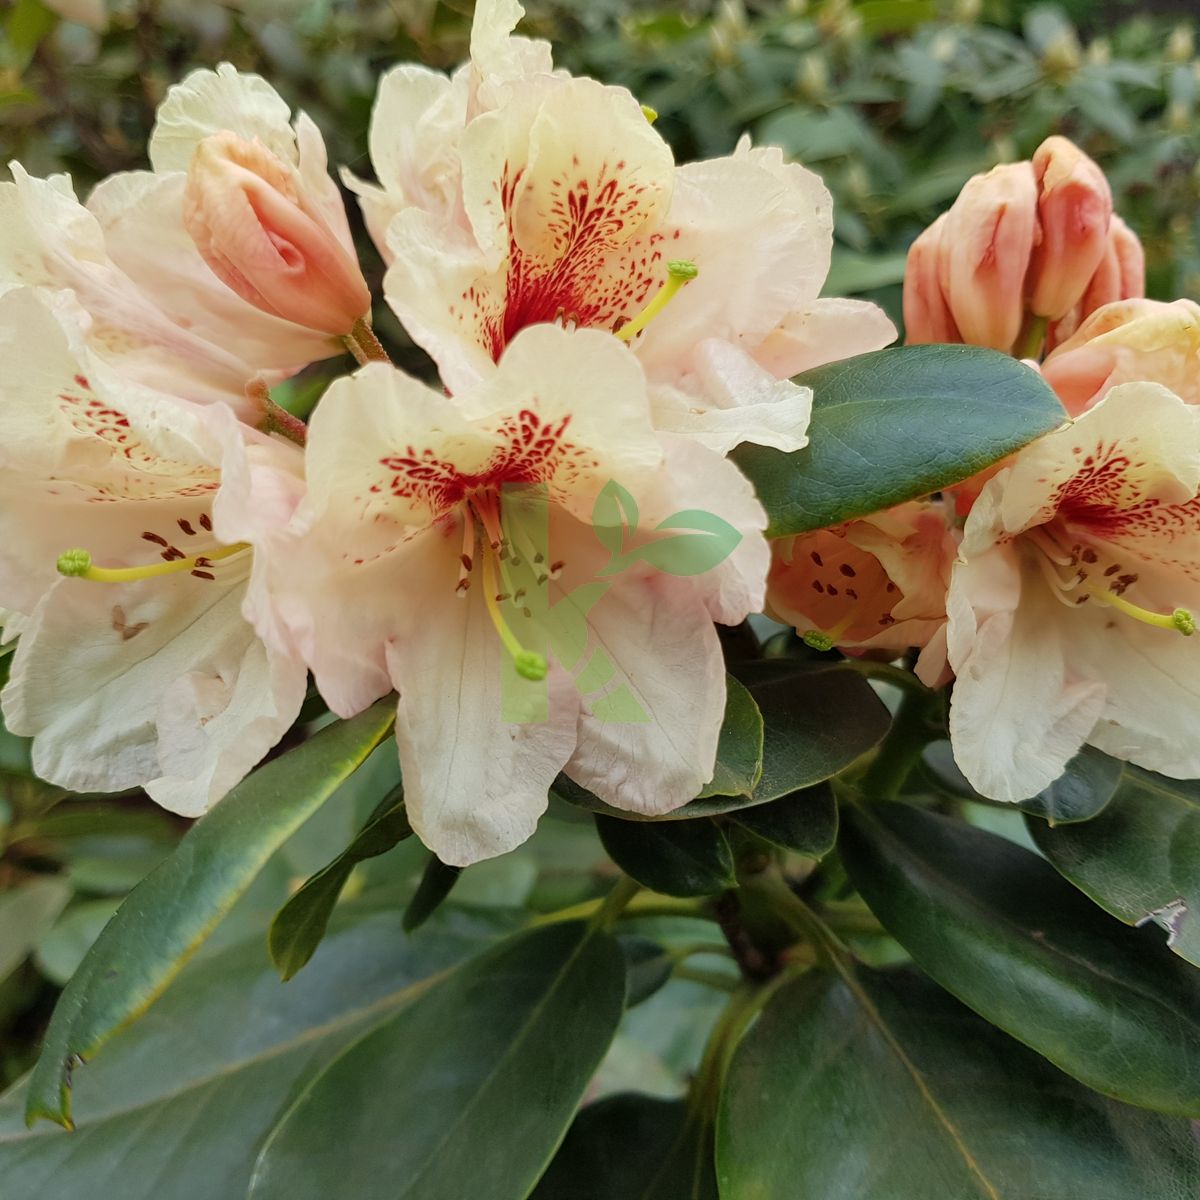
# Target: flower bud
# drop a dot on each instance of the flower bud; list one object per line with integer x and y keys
{"x": 983, "y": 253}
{"x": 249, "y": 216}
{"x": 1125, "y": 342}
{"x": 1074, "y": 210}
{"x": 927, "y": 316}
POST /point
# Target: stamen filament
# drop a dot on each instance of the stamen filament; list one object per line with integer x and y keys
{"x": 528, "y": 663}
{"x": 679, "y": 272}
{"x": 818, "y": 639}
{"x": 1181, "y": 619}
{"x": 77, "y": 564}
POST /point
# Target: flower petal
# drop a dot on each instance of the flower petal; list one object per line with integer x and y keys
{"x": 827, "y": 331}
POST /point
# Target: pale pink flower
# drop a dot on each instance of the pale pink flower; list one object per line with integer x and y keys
{"x": 144, "y": 673}
{"x": 405, "y": 570}
{"x": 1078, "y": 576}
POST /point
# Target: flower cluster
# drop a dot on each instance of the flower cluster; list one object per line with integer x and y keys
{"x": 179, "y": 553}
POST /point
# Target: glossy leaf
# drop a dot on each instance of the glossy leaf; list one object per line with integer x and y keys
{"x": 817, "y": 720}
{"x": 806, "y": 822}
{"x": 885, "y": 1088}
{"x": 1140, "y": 858}
{"x": 437, "y": 881}
{"x": 467, "y": 1091}
{"x": 1080, "y": 792}
{"x": 996, "y": 926}
{"x": 632, "y": 1147}
{"x": 177, "y": 1106}
{"x": 300, "y": 924}
{"x": 897, "y": 424}
{"x": 676, "y": 858}
{"x": 169, "y": 914}
{"x": 740, "y": 749}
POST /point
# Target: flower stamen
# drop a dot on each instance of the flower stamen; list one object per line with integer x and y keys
{"x": 77, "y": 564}
{"x": 529, "y": 664}
{"x": 679, "y": 272}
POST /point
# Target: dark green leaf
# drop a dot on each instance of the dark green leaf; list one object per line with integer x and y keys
{"x": 806, "y": 821}
{"x": 177, "y": 1106}
{"x": 817, "y": 720}
{"x": 997, "y": 927}
{"x": 896, "y": 424}
{"x": 1140, "y": 858}
{"x": 632, "y": 1147}
{"x": 740, "y": 749}
{"x": 173, "y": 910}
{"x": 300, "y": 924}
{"x": 676, "y": 858}
{"x": 884, "y": 1088}
{"x": 648, "y": 966}
{"x": 437, "y": 881}
{"x": 1080, "y": 792}
{"x": 467, "y": 1091}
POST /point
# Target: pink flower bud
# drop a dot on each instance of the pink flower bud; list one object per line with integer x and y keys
{"x": 927, "y": 316}
{"x": 1126, "y": 342}
{"x": 1074, "y": 210}
{"x": 249, "y": 216}
{"x": 983, "y": 253}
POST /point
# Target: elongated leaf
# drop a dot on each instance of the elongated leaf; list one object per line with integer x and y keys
{"x": 806, "y": 821}
{"x": 177, "y": 1106}
{"x": 884, "y": 1088}
{"x": 897, "y": 424}
{"x": 170, "y": 913}
{"x": 26, "y": 913}
{"x": 1080, "y": 792}
{"x": 740, "y": 750}
{"x": 677, "y": 858}
{"x": 1140, "y": 858}
{"x": 817, "y": 720}
{"x": 632, "y": 1147}
{"x": 997, "y": 927}
{"x": 300, "y": 924}
{"x": 468, "y": 1091}
{"x": 437, "y": 881}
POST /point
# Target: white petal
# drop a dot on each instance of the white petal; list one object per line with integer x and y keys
{"x": 207, "y": 102}
{"x": 826, "y": 332}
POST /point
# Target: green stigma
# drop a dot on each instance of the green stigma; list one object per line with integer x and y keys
{"x": 682, "y": 268}
{"x": 816, "y": 640}
{"x": 651, "y": 114}
{"x": 74, "y": 563}
{"x": 530, "y": 665}
{"x": 1183, "y": 620}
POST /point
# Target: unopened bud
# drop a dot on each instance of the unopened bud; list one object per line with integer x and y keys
{"x": 249, "y": 216}
{"x": 927, "y": 316}
{"x": 1074, "y": 210}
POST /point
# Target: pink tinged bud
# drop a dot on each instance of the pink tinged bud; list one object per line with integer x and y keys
{"x": 1074, "y": 210}
{"x": 927, "y": 316}
{"x": 984, "y": 251}
{"x": 247, "y": 212}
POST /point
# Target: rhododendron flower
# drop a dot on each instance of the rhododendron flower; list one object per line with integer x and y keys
{"x": 556, "y": 200}
{"x": 141, "y": 670}
{"x": 151, "y": 303}
{"x": 877, "y": 583}
{"x": 409, "y": 566}
{"x": 1024, "y": 254}
{"x": 1079, "y": 574}
{"x": 1126, "y": 342}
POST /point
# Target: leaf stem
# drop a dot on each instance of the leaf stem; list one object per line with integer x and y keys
{"x": 901, "y": 749}
{"x": 614, "y": 903}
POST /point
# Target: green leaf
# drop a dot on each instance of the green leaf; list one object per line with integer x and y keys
{"x": 1080, "y": 792}
{"x": 169, "y": 914}
{"x": 648, "y": 967}
{"x": 437, "y": 880}
{"x": 467, "y": 1091}
{"x": 177, "y": 1106}
{"x": 676, "y": 858}
{"x": 806, "y": 821}
{"x": 1140, "y": 858}
{"x": 300, "y": 924}
{"x": 883, "y": 1087}
{"x": 740, "y": 748}
{"x": 817, "y": 720}
{"x": 996, "y": 926}
{"x": 894, "y": 425}
{"x": 632, "y": 1147}
{"x": 26, "y": 913}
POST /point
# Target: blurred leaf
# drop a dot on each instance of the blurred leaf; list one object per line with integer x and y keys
{"x": 174, "y": 909}
{"x": 61, "y": 948}
{"x": 27, "y": 911}
{"x": 503, "y": 1048}
{"x": 894, "y": 425}
{"x": 676, "y": 858}
{"x": 1140, "y": 858}
{"x": 997, "y": 927}
{"x": 882, "y": 1086}
{"x": 300, "y": 924}
{"x": 437, "y": 880}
